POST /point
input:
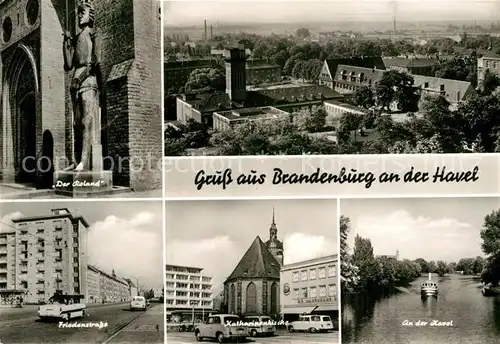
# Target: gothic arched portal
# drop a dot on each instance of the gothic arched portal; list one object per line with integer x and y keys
{"x": 20, "y": 91}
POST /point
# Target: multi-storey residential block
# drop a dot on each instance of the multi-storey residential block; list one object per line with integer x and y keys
{"x": 187, "y": 291}
{"x": 107, "y": 287}
{"x": 42, "y": 255}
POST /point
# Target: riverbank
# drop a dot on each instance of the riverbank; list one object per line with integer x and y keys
{"x": 393, "y": 319}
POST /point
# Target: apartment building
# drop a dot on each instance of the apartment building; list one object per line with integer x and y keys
{"x": 310, "y": 287}
{"x": 188, "y": 293}
{"x": 42, "y": 255}
{"x": 106, "y": 287}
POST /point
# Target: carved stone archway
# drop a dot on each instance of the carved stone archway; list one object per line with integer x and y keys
{"x": 21, "y": 130}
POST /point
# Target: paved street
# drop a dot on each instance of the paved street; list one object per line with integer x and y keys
{"x": 21, "y": 326}
{"x": 282, "y": 336}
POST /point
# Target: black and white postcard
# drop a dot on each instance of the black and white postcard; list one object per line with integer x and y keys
{"x": 80, "y": 111}
{"x": 331, "y": 77}
{"x": 420, "y": 270}
{"x": 81, "y": 272}
{"x": 259, "y": 271}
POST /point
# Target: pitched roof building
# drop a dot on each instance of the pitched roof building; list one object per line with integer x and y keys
{"x": 253, "y": 286}
{"x": 331, "y": 66}
{"x": 455, "y": 91}
{"x": 411, "y": 65}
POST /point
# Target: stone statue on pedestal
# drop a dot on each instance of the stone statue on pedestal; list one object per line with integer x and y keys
{"x": 82, "y": 57}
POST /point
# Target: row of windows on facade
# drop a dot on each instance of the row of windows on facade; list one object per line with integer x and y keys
{"x": 321, "y": 273}
{"x": 181, "y": 277}
{"x": 494, "y": 64}
{"x": 185, "y": 294}
{"x": 41, "y": 282}
{"x": 171, "y": 302}
{"x": 339, "y": 110}
{"x": 174, "y": 285}
{"x": 312, "y": 292}
{"x": 426, "y": 84}
{"x": 41, "y": 257}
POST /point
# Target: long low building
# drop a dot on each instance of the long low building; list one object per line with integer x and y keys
{"x": 106, "y": 287}
{"x": 223, "y": 120}
{"x": 335, "y": 110}
{"x": 310, "y": 287}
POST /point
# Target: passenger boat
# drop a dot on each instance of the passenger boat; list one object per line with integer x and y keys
{"x": 429, "y": 288}
{"x": 63, "y": 307}
{"x": 490, "y": 290}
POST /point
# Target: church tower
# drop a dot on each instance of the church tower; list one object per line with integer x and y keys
{"x": 273, "y": 244}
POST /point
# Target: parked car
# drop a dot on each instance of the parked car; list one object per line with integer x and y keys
{"x": 259, "y": 325}
{"x": 138, "y": 302}
{"x": 63, "y": 307}
{"x": 221, "y": 327}
{"x": 186, "y": 327}
{"x": 312, "y": 323}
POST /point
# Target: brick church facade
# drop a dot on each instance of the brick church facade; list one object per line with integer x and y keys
{"x": 253, "y": 286}
{"x": 36, "y": 111}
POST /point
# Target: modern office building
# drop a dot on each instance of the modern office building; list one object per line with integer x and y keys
{"x": 188, "y": 292}
{"x": 42, "y": 255}
{"x": 310, "y": 287}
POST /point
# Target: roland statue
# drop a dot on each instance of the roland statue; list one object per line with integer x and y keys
{"x": 81, "y": 57}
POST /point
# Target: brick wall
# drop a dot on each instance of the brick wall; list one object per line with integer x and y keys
{"x": 130, "y": 30}
{"x": 52, "y": 78}
{"x": 145, "y": 119}
{"x": 117, "y": 132}
{"x": 259, "y": 284}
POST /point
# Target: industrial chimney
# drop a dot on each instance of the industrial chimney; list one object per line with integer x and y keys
{"x": 211, "y": 32}
{"x": 205, "y": 37}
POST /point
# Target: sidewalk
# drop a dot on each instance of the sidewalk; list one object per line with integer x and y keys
{"x": 147, "y": 328}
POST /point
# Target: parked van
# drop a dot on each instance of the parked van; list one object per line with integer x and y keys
{"x": 312, "y": 323}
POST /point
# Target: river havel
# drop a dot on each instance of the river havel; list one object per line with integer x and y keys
{"x": 80, "y": 183}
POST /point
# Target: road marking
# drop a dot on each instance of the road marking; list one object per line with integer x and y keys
{"x": 120, "y": 329}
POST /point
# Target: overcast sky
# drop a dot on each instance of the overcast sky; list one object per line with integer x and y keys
{"x": 434, "y": 229}
{"x": 214, "y": 235}
{"x": 124, "y": 236}
{"x": 188, "y": 12}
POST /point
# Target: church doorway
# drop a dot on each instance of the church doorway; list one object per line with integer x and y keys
{"x": 27, "y": 115}
{"x": 20, "y": 118}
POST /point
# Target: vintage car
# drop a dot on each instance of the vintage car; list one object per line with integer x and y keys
{"x": 63, "y": 307}
{"x": 138, "y": 303}
{"x": 312, "y": 323}
{"x": 221, "y": 327}
{"x": 259, "y": 325}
